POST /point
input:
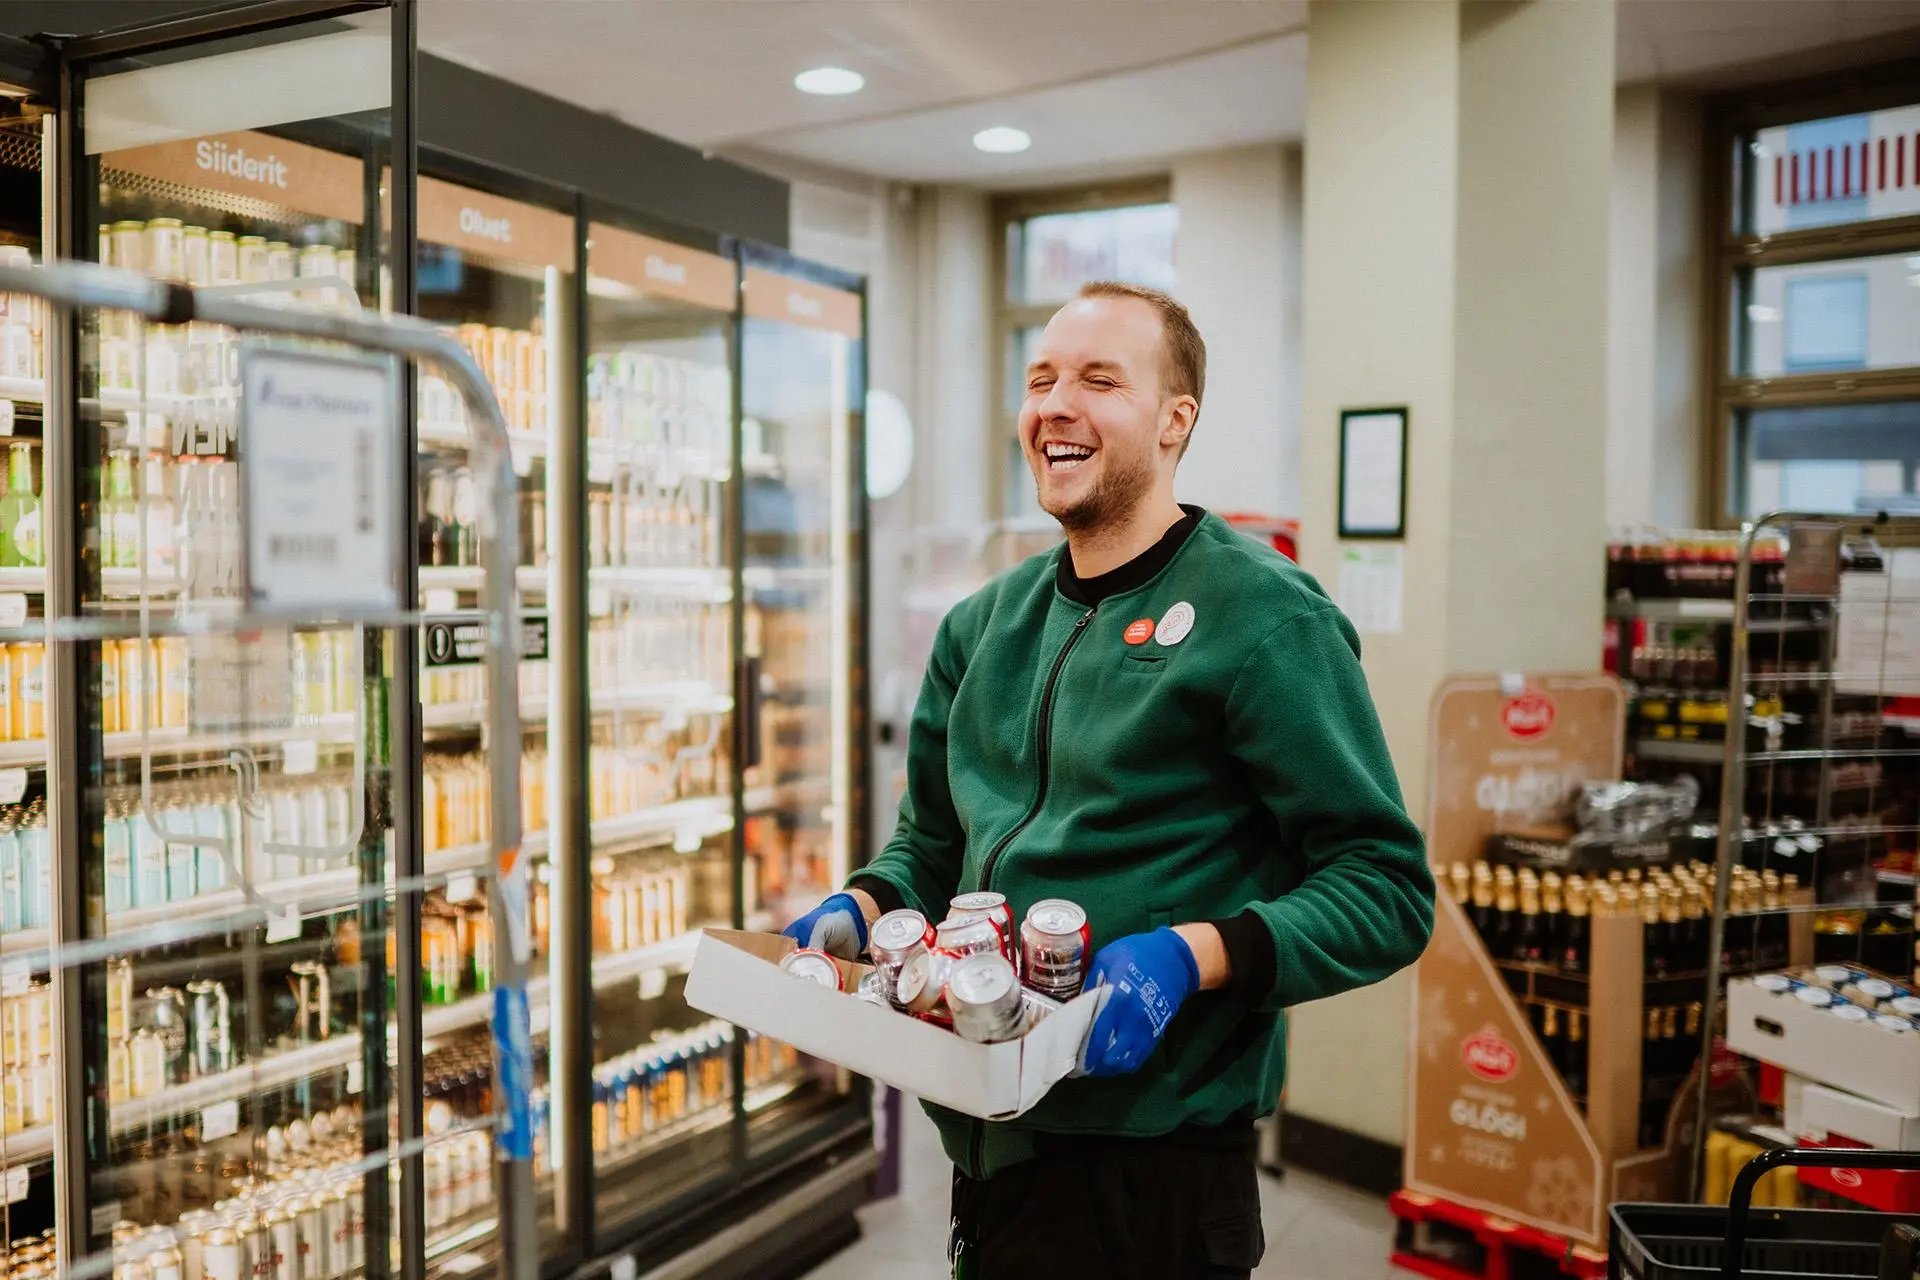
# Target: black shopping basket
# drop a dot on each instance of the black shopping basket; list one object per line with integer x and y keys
{"x": 1733, "y": 1242}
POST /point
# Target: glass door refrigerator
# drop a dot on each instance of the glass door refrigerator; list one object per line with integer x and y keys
{"x": 661, "y": 786}
{"x": 225, "y": 993}
{"x": 498, "y": 271}
{"x": 28, "y": 1075}
{"x": 803, "y": 532}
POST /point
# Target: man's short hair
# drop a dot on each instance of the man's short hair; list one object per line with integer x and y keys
{"x": 1183, "y": 363}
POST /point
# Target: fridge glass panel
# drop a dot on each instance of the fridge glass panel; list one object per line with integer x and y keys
{"x": 26, "y": 1163}
{"x": 800, "y": 373}
{"x": 659, "y": 673}
{"x": 236, "y": 874}
{"x": 498, "y": 273}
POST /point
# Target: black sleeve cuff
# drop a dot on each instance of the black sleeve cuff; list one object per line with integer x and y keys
{"x": 1249, "y": 954}
{"x": 888, "y": 898}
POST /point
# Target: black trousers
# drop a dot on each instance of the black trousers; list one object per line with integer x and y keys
{"x": 1113, "y": 1209}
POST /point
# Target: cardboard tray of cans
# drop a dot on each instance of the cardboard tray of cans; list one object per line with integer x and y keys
{"x": 737, "y": 976}
{"x": 1839, "y": 1024}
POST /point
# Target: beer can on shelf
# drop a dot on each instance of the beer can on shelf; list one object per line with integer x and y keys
{"x": 283, "y": 1232}
{"x": 896, "y": 938}
{"x": 969, "y": 935}
{"x": 983, "y": 995}
{"x": 814, "y": 966}
{"x": 1056, "y": 946}
{"x": 221, "y": 1256}
{"x": 313, "y": 1001}
{"x": 191, "y": 1234}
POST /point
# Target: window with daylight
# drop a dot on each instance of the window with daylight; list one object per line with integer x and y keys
{"x": 1048, "y": 245}
{"x": 1816, "y": 298}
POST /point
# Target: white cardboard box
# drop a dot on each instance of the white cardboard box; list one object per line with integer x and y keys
{"x": 1858, "y": 1057}
{"x": 1825, "y": 1111}
{"x": 737, "y": 976}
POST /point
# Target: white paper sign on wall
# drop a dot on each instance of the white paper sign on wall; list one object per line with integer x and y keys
{"x": 319, "y": 448}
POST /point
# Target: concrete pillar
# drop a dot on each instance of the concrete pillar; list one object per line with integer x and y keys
{"x": 1458, "y": 160}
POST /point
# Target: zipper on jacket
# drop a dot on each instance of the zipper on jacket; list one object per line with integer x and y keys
{"x": 1043, "y": 749}
{"x": 1043, "y": 734}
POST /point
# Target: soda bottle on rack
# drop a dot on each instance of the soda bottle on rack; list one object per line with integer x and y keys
{"x": 20, "y": 543}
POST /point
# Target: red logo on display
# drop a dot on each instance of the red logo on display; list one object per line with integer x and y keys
{"x": 1847, "y": 1178}
{"x": 1139, "y": 631}
{"x": 1528, "y": 716}
{"x": 1490, "y": 1057}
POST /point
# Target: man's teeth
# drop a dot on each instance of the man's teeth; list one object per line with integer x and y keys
{"x": 1065, "y": 457}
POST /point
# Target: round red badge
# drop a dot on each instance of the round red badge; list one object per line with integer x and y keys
{"x": 1139, "y": 631}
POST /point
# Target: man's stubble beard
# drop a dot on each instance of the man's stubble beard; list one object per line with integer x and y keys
{"x": 1124, "y": 485}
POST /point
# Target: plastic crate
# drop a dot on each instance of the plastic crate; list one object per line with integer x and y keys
{"x": 1687, "y": 1242}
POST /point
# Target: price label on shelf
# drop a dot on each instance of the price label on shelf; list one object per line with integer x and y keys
{"x": 623, "y": 1267}
{"x": 6, "y": 417}
{"x": 522, "y": 454}
{"x": 13, "y": 785}
{"x": 356, "y": 1072}
{"x": 463, "y": 1264}
{"x": 442, "y": 600}
{"x": 299, "y": 755}
{"x": 463, "y": 886}
{"x": 16, "y": 1184}
{"x": 599, "y": 602}
{"x": 674, "y": 719}
{"x": 653, "y": 984}
{"x": 13, "y": 609}
{"x": 220, "y": 1120}
{"x": 688, "y": 839}
{"x": 599, "y": 464}
{"x": 104, "y": 1216}
{"x": 15, "y": 977}
{"x": 284, "y": 927}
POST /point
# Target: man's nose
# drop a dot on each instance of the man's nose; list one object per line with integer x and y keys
{"x": 1058, "y": 404}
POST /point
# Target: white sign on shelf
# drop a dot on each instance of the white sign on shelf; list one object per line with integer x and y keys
{"x": 462, "y": 886}
{"x": 13, "y": 785}
{"x": 653, "y": 984}
{"x": 6, "y": 417}
{"x": 220, "y": 1120}
{"x": 356, "y": 1071}
{"x": 283, "y": 927}
{"x": 13, "y": 609}
{"x": 299, "y": 755}
{"x": 16, "y": 1184}
{"x": 15, "y": 977}
{"x": 322, "y": 497}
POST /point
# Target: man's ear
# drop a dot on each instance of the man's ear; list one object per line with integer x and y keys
{"x": 1177, "y": 425}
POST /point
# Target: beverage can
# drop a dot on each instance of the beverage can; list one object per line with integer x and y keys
{"x": 995, "y": 907}
{"x": 814, "y": 966}
{"x": 1056, "y": 946}
{"x": 209, "y": 1035}
{"x": 923, "y": 982}
{"x": 969, "y": 935}
{"x": 983, "y": 995}
{"x": 221, "y": 1256}
{"x": 896, "y": 938}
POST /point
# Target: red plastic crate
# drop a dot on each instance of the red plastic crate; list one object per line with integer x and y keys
{"x": 1500, "y": 1237}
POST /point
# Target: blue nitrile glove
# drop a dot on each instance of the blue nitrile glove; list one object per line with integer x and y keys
{"x": 837, "y": 927}
{"x": 1151, "y": 974}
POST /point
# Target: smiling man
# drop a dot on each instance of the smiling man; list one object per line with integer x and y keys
{"x": 1166, "y": 723}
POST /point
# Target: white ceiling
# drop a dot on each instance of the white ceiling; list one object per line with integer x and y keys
{"x": 1102, "y": 85}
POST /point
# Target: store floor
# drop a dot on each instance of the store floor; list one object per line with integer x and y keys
{"x": 1316, "y": 1230}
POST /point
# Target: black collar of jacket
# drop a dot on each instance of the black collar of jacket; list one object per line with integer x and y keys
{"x": 1135, "y": 572}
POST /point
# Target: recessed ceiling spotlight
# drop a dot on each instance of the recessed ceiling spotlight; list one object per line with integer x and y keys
{"x": 830, "y": 82}
{"x": 1002, "y": 140}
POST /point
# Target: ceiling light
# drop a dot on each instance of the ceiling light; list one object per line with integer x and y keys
{"x": 829, "y": 82}
{"x": 1001, "y": 140}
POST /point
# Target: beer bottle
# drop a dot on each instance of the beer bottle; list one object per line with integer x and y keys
{"x": 1575, "y": 1070}
{"x": 1576, "y": 934}
{"x": 1460, "y": 879}
{"x": 1689, "y": 1050}
{"x": 1653, "y": 933}
{"x": 1506, "y": 913}
{"x": 1552, "y": 920}
{"x": 1693, "y": 928}
{"x": 1482, "y": 911}
{"x": 1529, "y": 941}
{"x": 1673, "y": 926}
{"x": 1771, "y": 948}
{"x": 1738, "y": 953}
{"x": 1616, "y": 877}
{"x": 1550, "y": 1038}
{"x": 1652, "y": 1108}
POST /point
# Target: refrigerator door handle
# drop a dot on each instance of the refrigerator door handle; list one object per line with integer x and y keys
{"x": 751, "y": 698}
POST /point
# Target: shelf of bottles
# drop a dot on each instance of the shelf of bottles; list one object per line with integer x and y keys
{"x": 800, "y": 393}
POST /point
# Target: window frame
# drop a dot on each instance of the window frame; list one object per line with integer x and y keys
{"x": 1733, "y": 252}
{"x": 1009, "y": 317}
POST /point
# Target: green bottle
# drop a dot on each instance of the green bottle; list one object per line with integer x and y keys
{"x": 121, "y": 515}
{"x": 20, "y": 511}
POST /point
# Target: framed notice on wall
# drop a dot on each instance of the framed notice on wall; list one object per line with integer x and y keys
{"x": 1373, "y": 473}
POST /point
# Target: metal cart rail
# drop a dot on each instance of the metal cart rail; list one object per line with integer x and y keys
{"x": 68, "y": 286}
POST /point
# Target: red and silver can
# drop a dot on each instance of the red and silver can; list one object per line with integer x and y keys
{"x": 983, "y": 994}
{"x": 994, "y": 906}
{"x": 814, "y": 966}
{"x": 961, "y": 936}
{"x": 923, "y": 983}
{"x": 1056, "y": 945}
{"x": 896, "y": 938}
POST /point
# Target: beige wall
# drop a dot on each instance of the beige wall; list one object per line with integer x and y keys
{"x": 1456, "y": 263}
{"x": 1237, "y": 256}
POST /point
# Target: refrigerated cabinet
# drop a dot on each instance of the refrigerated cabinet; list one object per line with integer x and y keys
{"x": 685, "y": 425}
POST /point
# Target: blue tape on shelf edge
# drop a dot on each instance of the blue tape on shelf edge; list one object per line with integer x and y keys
{"x": 514, "y": 1050}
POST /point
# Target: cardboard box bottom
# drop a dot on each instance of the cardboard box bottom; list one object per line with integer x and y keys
{"x": 737, "y": 976}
